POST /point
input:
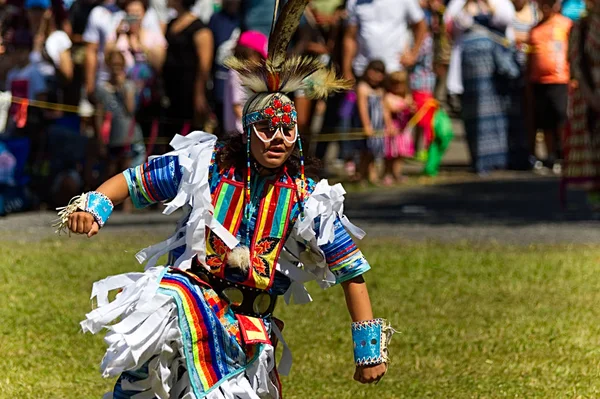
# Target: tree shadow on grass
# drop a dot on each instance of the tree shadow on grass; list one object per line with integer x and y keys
{"x": 496, "y": 202}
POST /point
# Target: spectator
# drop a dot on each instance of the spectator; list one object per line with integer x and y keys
{"x": 186, "y": 70}
{"x": 526, "y": 17}
{"x": 25, "y": 79}
{"x": 116, "y": 100}
{"x": 478, "y": 29}
{"x": 335, "y": 39}
{"x": 225, "y": 26}
{"x": 137, "y": 43}
{"x": 144, "y": 52}
{"x": 573, "y": 9}
{"x": 370, "y": 117}
{"x": 52, "y": 52}
{"x": 582, "y": 139}
{"x": 312, "y": 40}
{"x": 379, "y": 29}
{"x": 257, "y": 15}
{"x": 521, "y": 131}
{"x": 441, "y": 47}
{"x": 422, "y": 85}
{"x": 399, "y": 143}
{"x": 102, "y": 23}
{"x": 252, "y": 46}
{"x": 549, "y": 74}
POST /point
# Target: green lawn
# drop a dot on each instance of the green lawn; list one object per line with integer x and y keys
{"x": 475, "y": 322}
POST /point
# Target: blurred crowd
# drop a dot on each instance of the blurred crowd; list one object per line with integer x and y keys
{"x": 92, "y": 87}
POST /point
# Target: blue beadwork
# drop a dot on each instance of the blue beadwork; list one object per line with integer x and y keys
{"x": 258, "y": 116}
{"x": 99, "y": 205}
{"x": 367, "y": 337}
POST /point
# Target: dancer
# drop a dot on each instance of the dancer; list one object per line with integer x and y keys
{"x": 255, "y": 227}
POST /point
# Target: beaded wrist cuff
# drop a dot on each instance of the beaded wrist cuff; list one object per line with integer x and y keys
{"x": 371, "y": 339}
{"x": 97, "y": 204}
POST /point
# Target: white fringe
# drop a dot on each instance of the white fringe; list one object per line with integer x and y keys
{"x": 147, "y": 331}
{"x": 75, "y": 204}
{"x": 195, "y": 153}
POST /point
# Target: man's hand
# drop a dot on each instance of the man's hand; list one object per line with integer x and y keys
{"x": 408, "y": 59}
{"x": 370, "y": 374}
{"x": 83, "y": 223}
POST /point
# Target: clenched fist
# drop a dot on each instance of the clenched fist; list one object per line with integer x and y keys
{"x": 370, "y": 374}
{"x": 83, "y": 223}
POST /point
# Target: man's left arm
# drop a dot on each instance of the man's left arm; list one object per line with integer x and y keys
{"x": 416, "y": 19}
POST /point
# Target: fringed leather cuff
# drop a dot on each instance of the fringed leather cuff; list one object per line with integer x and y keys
{"x": 371, "y": 339}
{"x": 97, "y": 204}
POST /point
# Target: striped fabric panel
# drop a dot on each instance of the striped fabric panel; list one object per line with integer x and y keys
{"x": 343, "y": 257}
{"x": 154, "y": 181}
{"x": 210, "y": 333}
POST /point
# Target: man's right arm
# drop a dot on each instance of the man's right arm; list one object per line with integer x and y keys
{"x": 91, "y": 65}
{"x": 91, "y": 36}
{"x": 350, "y": 49}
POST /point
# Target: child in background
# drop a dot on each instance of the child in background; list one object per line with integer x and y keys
{"x": 398, "y": 108}
{"x": 251, "y": 46}
{"x": 422, "y": 85}
{"x": 369, "y": 117}
{"x": 116, "y": 99}
{"x": 549, "y": 73}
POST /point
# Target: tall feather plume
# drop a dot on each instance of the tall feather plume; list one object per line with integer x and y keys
{"x": 280, "y": 73}
{"x": 293, "y": 71}
{"x": 253, "y": 75}
{"x": 283, "y": 30}
{"x": 323, "y": 82}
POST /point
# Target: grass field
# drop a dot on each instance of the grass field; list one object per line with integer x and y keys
{"x": 475, "y": 322}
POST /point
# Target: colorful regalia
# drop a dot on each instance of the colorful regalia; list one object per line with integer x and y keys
{"x": 202, "y": 326}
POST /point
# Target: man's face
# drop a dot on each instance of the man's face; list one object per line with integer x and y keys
{"x": 271, "y": 147}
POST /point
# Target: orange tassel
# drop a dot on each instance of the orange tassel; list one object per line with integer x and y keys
{"x": 105, "y": 130}
{"x": 21, "y": 116}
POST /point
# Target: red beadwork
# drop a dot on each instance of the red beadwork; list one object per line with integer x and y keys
{"x": 270, "y": 111}
{"x": 277, "y": 103}
{"x": 275, "y": 120}
{"x": 286, "y": 118}
{"x": 287, "y": 108}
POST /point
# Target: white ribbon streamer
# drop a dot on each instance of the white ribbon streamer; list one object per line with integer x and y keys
{"x": 194, "y": 152}
{"x": 5, "y": 102}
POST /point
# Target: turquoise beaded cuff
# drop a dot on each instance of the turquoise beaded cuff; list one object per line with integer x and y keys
{"x": 371, "y": 339}
{"x": 97, "y": 204}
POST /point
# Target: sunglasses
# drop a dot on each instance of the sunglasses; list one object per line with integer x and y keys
{"x": 267, "y": 134}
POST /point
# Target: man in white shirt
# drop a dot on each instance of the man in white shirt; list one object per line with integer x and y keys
{"x": 102, "y": 22}
{"x": 381, "y": 29}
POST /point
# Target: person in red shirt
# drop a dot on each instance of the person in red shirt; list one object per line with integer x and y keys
{"x": 549, "y": 75}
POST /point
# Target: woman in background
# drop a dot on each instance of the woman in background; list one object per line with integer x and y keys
{"x": 186, "y": 71}
{"x": 582, "y": 138}
{"x": 477, "y": 28}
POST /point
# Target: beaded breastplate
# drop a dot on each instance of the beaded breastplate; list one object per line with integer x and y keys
{"x": 270, "y": 229}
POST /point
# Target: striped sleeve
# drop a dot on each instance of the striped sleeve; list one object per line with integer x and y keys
{"x": 154, "y": 181}
{"x": 343, "y": 257}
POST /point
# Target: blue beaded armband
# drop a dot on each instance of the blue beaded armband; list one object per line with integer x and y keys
{"x": 99, "y": 205}
{"x": 371, "y": 338}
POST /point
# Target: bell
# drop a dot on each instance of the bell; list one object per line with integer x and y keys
{"x": 309, "y": 257}
{"x": 261, "y": 303}
{"x": 234, "y": 296}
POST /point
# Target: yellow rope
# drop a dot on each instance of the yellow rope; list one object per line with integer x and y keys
{"x": 356, "y": 134}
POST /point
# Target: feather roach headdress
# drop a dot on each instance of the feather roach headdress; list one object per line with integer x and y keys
{"x": 280, "y": 73}
{"x": 268, "y": 82}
